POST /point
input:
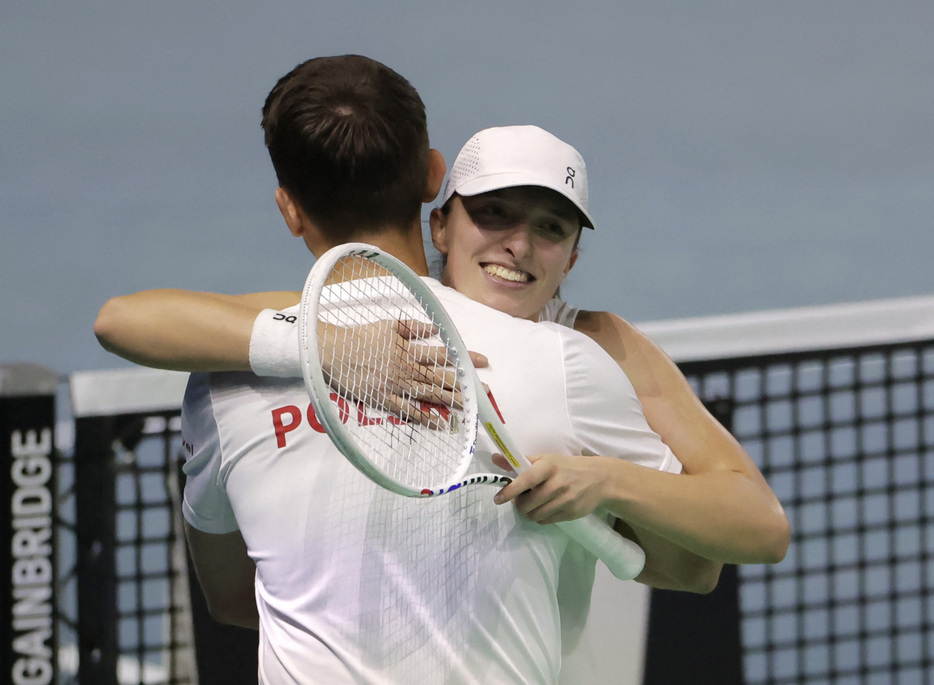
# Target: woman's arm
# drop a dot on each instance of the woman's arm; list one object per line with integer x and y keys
{"x": 198, "y": 331}
{"x": 719, "y": 508}
{"x": 560, "y": 487}
{"x": 185, "y": 330}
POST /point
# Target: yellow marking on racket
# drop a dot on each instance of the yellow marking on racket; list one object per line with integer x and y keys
{"x": 499, "y": 443}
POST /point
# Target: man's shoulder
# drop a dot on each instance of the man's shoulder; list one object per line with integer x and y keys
{"x": 481, "y": 325}
{"x": 223, "y": 378}
{"x": 463, "y": 309}
{"x": 215, "y": 385}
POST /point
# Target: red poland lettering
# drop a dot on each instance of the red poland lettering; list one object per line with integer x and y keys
{"x": 288, "y": 418}
{"x": 282, "y": 426}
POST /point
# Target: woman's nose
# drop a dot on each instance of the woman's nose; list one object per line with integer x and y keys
{"x": 518, "y": 241}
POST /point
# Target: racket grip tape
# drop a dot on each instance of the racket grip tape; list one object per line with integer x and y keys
{"x": 624, "y": 558}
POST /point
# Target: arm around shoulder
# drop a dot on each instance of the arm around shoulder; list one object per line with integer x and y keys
{"x": 720, "y": 507}
{"x": 184, "y": 330}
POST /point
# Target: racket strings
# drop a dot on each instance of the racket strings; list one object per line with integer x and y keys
{"x": 409, "y": 416}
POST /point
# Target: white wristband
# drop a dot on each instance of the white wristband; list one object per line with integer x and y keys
{"x": 274, "y": 345}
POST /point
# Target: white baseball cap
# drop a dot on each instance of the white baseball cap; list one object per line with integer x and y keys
{"x": 510, "y": 156}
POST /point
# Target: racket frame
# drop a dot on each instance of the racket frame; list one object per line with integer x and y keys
{"x": 320, "y": 392}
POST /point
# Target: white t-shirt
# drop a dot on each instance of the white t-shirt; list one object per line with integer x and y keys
{"x": 358, "y": 585}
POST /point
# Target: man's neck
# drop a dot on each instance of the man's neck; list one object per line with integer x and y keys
{"x": 406, "y": 246}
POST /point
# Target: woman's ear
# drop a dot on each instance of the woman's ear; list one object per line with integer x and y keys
{"x": 437, "y": 221}
{"x": 291, "y": 212}
{"x": 436, "y": 171}
{"x": 572, "y": 261}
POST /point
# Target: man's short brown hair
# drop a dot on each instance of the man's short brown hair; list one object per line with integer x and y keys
{"x": 348, "y": 138}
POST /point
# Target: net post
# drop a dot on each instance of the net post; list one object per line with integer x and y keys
{"x": 28, "y": 638}
{"x": 118, "y": 413}
{"x": 95, "y": 533}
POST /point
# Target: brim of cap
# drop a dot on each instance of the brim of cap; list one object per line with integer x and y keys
{"x": 485, "y": 184}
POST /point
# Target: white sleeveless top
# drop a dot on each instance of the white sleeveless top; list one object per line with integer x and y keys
{"x": 560, "y": 312}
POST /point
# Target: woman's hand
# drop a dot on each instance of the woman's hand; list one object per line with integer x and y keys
{"x": 390, "y": 366}
{"x": 556, "y": 487}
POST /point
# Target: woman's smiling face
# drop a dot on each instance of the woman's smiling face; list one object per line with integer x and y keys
{"x": 509, "y": 249}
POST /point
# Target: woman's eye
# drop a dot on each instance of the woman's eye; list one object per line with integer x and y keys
{"x": 553, "y": 230}
{"x": 491, "y": 214}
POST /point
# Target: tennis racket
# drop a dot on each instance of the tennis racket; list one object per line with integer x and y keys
{"x": 352, "y": 304}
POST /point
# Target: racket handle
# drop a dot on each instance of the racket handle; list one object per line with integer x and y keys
{"x": 623, "y": 557}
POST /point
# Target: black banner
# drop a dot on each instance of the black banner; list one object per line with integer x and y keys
{"x": 28, "y": 638}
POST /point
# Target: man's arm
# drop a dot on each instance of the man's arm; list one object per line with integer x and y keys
{"x": 224, "y": 568}
{"x": 670, "y": 567}
{"x": 226, "y": 574}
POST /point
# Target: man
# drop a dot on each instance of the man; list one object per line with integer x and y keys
{"x": 353, "y": 583}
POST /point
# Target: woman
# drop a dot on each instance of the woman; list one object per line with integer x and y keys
{"x": 508, "y": 230}
{"x": 511, "y": 219}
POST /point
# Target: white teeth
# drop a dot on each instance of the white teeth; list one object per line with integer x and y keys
{"x": 506, "y": 274}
